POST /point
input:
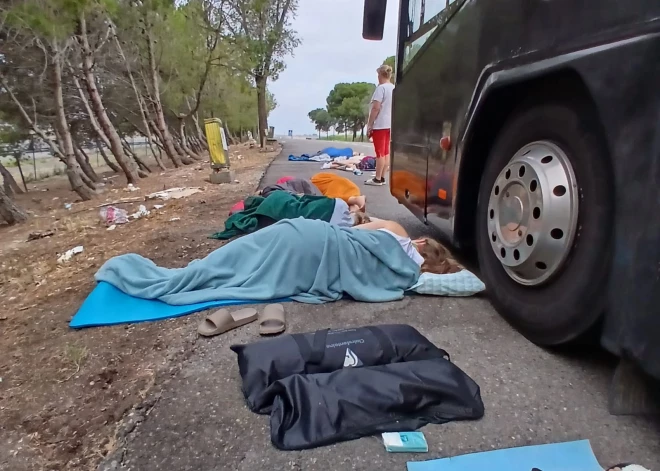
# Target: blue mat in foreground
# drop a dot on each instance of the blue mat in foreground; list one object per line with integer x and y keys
{"x": 106, "y": 305}
{"x": 569, "y": 456}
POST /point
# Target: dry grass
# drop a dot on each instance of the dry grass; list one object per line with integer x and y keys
{"x": 63, "y": 390}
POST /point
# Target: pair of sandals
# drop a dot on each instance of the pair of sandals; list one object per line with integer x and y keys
{"x": 271, "y": 320}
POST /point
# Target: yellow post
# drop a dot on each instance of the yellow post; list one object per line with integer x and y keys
{"x": 215, "y": 135}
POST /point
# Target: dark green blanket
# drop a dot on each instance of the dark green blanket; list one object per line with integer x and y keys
{"x": 261, "y": 212}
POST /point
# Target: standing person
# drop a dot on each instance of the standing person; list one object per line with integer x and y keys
{"x": 380, "y": 122}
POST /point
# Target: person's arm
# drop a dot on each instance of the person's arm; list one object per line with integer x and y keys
{"x": 391, "y": 226}
{"x": 376, "y": 103}
{"x": 373, "y": 114}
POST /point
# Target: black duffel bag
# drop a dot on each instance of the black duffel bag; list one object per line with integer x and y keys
{"x": 262, "y": 363}
{"x": 326, "y": 408}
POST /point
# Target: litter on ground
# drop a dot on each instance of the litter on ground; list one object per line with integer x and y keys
{"x": 141, "y": 212}
{"x": 40, "y": 235}
{"x": 112, "y": 215}
{"x": 68, "y": 255}
{"x": 173, "y": 193}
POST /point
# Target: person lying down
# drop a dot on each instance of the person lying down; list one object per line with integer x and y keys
{"x": 306, "y": 260}
{"x": 260, "y": 211}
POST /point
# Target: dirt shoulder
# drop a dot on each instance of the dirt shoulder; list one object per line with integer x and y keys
{"x": 63, "y": 391}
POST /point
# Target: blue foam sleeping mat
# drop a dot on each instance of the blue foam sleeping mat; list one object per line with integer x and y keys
{"x": 106, "y": 305}
{"x": 569, "y": 456}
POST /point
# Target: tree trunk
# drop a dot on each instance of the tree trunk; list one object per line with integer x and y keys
{"x": 184, "y": 144}
{"x": 140, "y": 100}
{"x": 127, "y": 165}
{"x": 179, "y": 149}
{"x": 262, "y": 108}
{"x": 319, "y": 131}
{"x": 362, "y": 134}
{"x": 142, "y": 167}
{"x": 9, "y": 182}
{"x": 73, "y": 170}
{"x": 9, "y": 211}
{"x": 106, "y": 159}
{"x": 200, "y": 134}
{"x": 194, "y": 144}
{"x": 165, "y": 135}
{"x": 85, "y": 165}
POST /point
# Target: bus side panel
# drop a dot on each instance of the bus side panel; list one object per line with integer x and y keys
{"x": 408, "y": 148}
{"x": 628, "y": 98}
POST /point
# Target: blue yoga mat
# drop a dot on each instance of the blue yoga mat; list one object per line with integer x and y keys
{"x": 106, "y": 305}
{"x": 569, "y": 456}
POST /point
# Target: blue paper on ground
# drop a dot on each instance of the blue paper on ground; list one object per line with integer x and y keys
{"x": 569, "y": 456}
{"x": 106, "y": 305}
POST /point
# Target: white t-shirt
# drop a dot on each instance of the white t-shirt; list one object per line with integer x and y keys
{"x": 383, "y": 95}
{"x": 407, "y": 246}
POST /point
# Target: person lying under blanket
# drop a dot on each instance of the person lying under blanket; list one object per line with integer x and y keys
{"x": 431, "y": 255}
{"x": 259, "y": 212}
{"x": 306, "y": 260}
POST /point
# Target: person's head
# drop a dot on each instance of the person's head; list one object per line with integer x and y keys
{"x": 437, "y": 258}
{"x": 384, "y": 73}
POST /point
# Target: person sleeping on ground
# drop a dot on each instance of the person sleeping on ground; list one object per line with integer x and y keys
{"x": 336, "y": 186}
{"x": 259, "y": 212}
{"x": 306, "y": 260}
{"x": 430, "y": 255}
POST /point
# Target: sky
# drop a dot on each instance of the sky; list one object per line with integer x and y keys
{"x": 332, "y": 51}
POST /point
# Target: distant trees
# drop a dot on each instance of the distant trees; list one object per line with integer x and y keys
{"x": 321, "y": 119}
{"x": 347, "y": 109}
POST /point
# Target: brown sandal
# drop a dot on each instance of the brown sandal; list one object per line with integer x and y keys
{"x": 222, "y": 321}
{"x": 272, "y": 320}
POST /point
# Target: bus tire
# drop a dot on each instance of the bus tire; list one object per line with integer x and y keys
{"x": 558, "y": 305}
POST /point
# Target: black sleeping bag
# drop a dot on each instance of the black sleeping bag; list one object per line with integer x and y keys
{"x": 321, "y": 409}
{"x": 262, "y": 363}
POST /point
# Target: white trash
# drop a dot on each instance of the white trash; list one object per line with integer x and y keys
{"x": 68, "y": 255}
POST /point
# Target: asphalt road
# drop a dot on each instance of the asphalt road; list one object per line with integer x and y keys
{"x": 532, "y": 396}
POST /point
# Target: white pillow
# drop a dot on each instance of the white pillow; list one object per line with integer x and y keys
{"x": 462, "y": 283}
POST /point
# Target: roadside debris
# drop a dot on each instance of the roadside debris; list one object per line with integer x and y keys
{"x": 112, "y": 215}
{"x": 141, "y": 212}
{"x": 131, "y": 187}
{"x": 112, "y": 228}
{"x": 159, "y": 206}
{"x": 40, "y": 235}
{"x": 120, "y": 201}
{"x": 173, "y": 193}
{"x": 175, "y": 219}
{"x": 68, "y": 205}
{"x": 68, "y": 255}
{"x": 405, "y": 442}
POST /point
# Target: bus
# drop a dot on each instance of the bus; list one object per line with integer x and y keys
{"x": 528, "y": 133}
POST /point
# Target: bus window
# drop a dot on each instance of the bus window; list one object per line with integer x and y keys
{"x": 423, "y": 19}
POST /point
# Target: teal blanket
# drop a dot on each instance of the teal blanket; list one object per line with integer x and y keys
{"x": 310, "y": 261}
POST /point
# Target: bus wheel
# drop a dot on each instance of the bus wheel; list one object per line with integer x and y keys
{"x": 545, "y": 223}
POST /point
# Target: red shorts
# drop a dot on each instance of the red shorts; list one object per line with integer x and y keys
{"x": 381, "y": 138}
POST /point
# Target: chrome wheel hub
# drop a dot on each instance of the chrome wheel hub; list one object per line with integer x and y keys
{"x": 533, "y": 213}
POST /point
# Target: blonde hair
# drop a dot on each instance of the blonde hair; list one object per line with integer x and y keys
{"x": 385, "y": 71}
{"x": 437, "y": 259}
{"x": 360, "y": 217}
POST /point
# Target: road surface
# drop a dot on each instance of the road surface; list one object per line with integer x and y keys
{"x": 532, "y": 396}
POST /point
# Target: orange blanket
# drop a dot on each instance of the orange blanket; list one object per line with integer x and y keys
{"x": 334, "y": 186}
